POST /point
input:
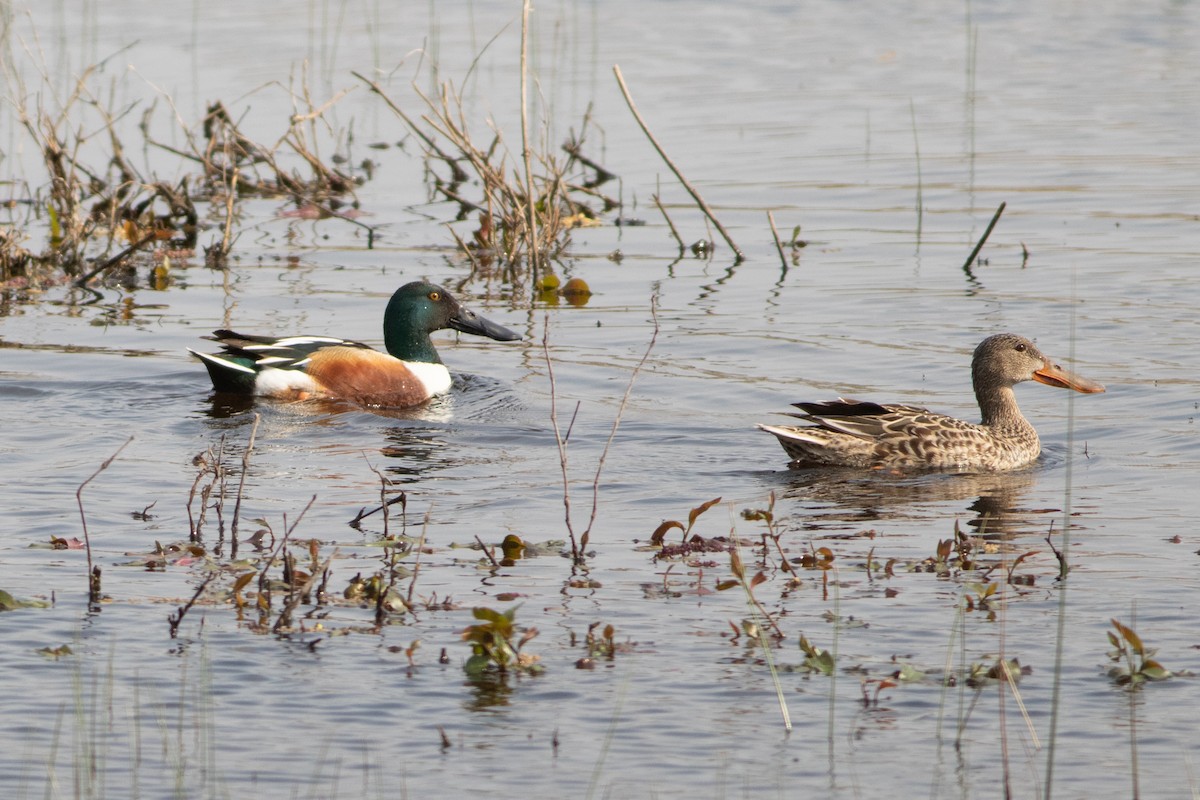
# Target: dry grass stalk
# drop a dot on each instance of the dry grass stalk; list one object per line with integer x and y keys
{"x": 579, "y": 545}
{"x": 708, "y": 212}
{"x": 237, "y": 504}
{"x": 94, "y": 571}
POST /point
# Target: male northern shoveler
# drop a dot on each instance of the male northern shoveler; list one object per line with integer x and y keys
{"x": 849, "y": 433}
{"x": 300, "y": 367}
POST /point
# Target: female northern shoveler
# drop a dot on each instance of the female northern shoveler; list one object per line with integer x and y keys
{"x": 849, "y": 433}
{"x": 300, "y": 367}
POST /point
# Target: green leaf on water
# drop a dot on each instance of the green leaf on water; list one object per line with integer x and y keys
{"x": 1153, "y": 671}
{"x": 56, "y": 652}
{"x": 9, "y": 603}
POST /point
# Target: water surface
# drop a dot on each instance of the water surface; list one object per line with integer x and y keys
{"x": 890, "y": 135}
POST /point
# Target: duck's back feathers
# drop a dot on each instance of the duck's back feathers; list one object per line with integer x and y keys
{"x": 852, "y": 433}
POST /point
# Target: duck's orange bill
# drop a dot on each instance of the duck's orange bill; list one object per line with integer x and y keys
{"x": 1054, "y": 375}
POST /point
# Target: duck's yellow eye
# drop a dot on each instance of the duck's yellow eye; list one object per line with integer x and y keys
{"x": 435, "y": 296}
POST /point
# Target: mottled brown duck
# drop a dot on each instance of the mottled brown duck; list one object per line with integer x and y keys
{"x": 851, "y": 433}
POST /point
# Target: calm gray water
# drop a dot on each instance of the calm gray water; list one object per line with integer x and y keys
{"x": 890, "y": 133}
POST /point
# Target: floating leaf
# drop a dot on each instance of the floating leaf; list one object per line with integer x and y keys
{"x": 700, "y": 509}
{"x": 660, "y": 532}
{"x": 758, "y": 515}
{"x": 56, "y": 652}
{"x": 9, "y": 603}
{"x": 57, "y": 543}
{"x": 1153, "y": 671}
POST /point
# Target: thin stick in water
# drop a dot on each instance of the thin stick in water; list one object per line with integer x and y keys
{"x": 708, "y": 212}
{"x": 670, "y": 224}
{"x": 94, "y": 573}
{"x": 529, "y": 199}
{"x": 912, "y": 111}
{"x": 988, "y": 232}
{"x": 778, "y": 244}
{"x": 237, "y": 504}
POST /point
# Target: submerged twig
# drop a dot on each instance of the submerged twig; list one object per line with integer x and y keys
{"x": 363, "y": 513}
{"x": 384, "y": 503}
{"x": 708, "y": 212}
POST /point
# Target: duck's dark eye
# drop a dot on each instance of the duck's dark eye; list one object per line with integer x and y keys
{"x": 435, "y": 296}
{"x": 1020, "y": 348}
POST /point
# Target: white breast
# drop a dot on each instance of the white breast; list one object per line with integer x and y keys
{"x": 435, "y": 376}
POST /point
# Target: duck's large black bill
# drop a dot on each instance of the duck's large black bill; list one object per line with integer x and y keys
{"x": 467, "y": 321}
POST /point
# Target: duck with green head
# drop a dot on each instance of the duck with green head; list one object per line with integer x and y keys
{"x": 303, "y": 367}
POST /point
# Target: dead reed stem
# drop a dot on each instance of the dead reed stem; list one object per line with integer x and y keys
{"x": 986, "y": 233}
{"x": 912, "y": 111}
{"x": 739, "y": 571}
{"x": 578, "y": 546}
{"x": 487, "y": 551}
{"x": 117, "y": 259}
{"x": 298, "y": 593}
{"x": 412, "y": 584}
{"x": 778, "y": 244}
{"x": 670, "y": 224}
{"x": 237, "y": 504}
{"x": 612, "y": 434}
{"x": 94, "y": 572}
{"x": 708, "y": 212}
{"x": 531, "y": 232}
{"x": 174, "y": 620}
{"x": 263, "y": 584}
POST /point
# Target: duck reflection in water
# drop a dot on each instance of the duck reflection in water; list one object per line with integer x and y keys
{"x": 838, "y": 498}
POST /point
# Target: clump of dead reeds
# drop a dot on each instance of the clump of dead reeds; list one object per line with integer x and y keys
{"x": 525, "y": 219}
{"x": 101, "y": 212}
